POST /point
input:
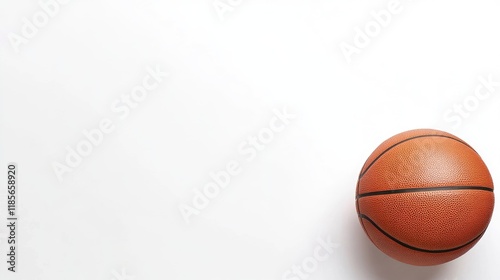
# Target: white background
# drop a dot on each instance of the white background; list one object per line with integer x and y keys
{"x": 116, "y": 215}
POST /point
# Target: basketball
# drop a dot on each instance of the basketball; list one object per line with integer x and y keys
{"x": 424, "y": 197}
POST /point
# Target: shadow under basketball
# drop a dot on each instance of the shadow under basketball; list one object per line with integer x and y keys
{"x": 382, "y": 267}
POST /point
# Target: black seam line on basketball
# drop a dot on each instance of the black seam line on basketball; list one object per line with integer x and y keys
{"x": 415, "y": 248}
{"x": 408, "y": 139}
{"x": 431, "y": 189}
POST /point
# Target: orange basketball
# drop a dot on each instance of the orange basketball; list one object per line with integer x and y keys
{"x": 424, "y": 197}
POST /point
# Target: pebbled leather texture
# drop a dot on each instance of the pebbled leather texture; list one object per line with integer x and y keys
{"x": 424, "y": 197}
